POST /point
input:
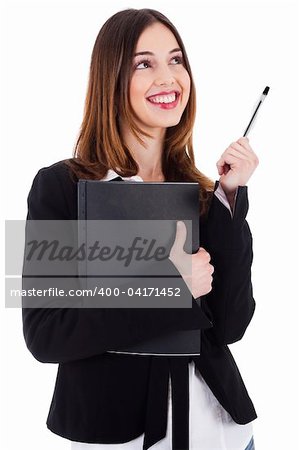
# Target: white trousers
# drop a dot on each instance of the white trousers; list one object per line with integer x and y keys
{"x": 210, "y": 425}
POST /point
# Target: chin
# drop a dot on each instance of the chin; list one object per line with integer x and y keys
{"x": 171, "y": 122}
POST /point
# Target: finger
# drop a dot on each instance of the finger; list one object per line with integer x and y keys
{"x": 237, "y": 154}
{"x": 249, "y": 155}
{"x": 224, "y": 170}
{"x": 202, "y": 250}
{"x": 241, "y": 149}
{"x": 244, "y": 139}
{"x": 241, "y": 146}
{"x": 220, "y": 167}
{"x": 245, "y": 143}
{"x": 227, "y": 158}
{"x": 180, "y": 238}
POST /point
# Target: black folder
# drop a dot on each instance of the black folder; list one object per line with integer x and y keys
{"x": 150, "y": 201}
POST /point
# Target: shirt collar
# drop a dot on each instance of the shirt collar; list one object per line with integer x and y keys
{"x": 112, "y": 174}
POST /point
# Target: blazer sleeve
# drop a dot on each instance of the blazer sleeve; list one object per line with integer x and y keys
{"x": 58, "y": 335}
{"x": 230, "y": 304}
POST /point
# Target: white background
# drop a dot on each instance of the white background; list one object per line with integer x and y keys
{"x": 235, "y": 50}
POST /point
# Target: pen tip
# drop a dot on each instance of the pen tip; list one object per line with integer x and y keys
{"x": 266, "y": 90}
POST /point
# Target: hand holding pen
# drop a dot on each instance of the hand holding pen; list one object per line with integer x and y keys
{"x": 238, "y": 162}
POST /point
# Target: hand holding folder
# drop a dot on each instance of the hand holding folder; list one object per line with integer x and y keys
{"x": 200, "y": 280}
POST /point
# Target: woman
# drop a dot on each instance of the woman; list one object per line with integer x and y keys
{"x": 138, "y": 120}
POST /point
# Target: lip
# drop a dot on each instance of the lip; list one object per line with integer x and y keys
{"x": 165, "y": 105}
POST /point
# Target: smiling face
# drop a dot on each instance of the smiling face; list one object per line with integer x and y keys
{"x": 160, "y": 84}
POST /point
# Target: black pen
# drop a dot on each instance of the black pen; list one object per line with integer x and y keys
{"x": 263, "y": 96}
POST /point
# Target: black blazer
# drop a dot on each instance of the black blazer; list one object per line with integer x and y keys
{"x": 102, "y": 397}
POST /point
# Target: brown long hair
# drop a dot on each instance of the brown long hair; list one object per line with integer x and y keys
{"x": 99, "y": 146}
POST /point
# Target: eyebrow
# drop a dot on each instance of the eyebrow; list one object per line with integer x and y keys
{"x": 152, "y": 54}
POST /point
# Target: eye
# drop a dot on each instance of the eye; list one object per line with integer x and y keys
{"x": 144, "y": 61}
{"x": 178, "y": 58}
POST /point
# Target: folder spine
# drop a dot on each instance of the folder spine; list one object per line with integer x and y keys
{"x": 82, "y": 229}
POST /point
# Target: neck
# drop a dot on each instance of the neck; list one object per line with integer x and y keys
{"x": 148, "y": 157}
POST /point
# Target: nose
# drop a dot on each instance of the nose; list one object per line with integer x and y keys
{"x": 164, "y": 77}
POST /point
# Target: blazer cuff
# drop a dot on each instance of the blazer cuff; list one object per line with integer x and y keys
{"x": 220, "y": 194}
{"x": 240, "y": 209}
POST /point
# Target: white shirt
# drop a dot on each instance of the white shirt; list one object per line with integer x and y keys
{"x": 210, "y": 426}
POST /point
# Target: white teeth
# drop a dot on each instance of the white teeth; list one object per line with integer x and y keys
{"x": 163, "y": 99}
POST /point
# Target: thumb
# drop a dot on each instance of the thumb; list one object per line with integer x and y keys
{"x": 180, "y": 238}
